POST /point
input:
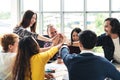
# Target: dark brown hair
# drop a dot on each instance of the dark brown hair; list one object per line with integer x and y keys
{"x": 115, "y": 24}
{"x": 75, "y": 30}
{"x": 27, "y": 19}
{"x": 27, "y": 47}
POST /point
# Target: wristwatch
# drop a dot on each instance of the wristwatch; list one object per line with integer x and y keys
{"x": 64, "y": 44}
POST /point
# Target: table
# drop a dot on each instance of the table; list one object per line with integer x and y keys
{"x": 61, "y": 72}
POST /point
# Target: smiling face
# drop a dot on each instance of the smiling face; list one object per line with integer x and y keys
{"x": 52, "y": 32}
{"x": 33, "y": 19}
{"x": 75, "y": 36}
{"x": 107, "y": 27}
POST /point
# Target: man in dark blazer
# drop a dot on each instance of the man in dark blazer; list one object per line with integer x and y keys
{"x": 86, "y": 65}
{"x": 110, "y": 40}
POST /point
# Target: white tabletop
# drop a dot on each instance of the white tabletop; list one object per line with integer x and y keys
{"x": 61, "y": 72}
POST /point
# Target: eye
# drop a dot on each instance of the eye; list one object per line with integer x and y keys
{"x": 55, "y": 32}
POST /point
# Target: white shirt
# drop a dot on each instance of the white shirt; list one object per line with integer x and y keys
{"x": 86, "y": 51}
{"x": 6, "y": 65}
{"x": 116, "y": 55}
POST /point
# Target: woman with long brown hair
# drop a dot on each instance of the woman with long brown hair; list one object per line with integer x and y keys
{"x": 30, "y": 61}
{"x": 27, "y": 26}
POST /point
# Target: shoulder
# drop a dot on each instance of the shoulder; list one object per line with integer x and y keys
{"x": 18, "y": 29}
{"x": 104, "y": 60}
{"x": 104, "y": 36}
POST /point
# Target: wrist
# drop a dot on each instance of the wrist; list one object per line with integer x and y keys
{"x": 64, "y": 44}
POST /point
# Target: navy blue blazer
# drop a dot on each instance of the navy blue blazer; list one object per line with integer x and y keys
{"x": 107, "y": 45}
{"x": 87, "y": 66}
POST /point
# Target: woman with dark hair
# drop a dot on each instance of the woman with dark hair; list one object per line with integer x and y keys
{"x": 110, "y": 41}
{"x": 73, "y": 46}
{"x": 29, "y": 20}
{"x": 74, "y": 35}
{"x": 30, "y": 61}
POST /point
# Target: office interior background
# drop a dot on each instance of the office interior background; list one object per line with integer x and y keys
{"x": 64, "y": 14}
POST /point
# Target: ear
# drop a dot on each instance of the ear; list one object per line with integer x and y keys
{"x": 10, "y": 47}
{"x": 80, "y": 45}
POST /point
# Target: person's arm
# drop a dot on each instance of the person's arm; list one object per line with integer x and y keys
{"x": 44, "y": 49}
{"x": 76, "y": 43}
{"x": 64, "y": 53}
{"x": 40, "y": 37}
{"x": 54, "y": 43}
{"x": 100, "y": 40}
{"x": 112, "y": 71}
{"x": 23, "y": 32}
{"x": 52, "y": 51}
{"x": 64, "y": 50}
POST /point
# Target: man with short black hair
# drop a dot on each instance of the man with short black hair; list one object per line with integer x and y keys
{"x": 86, "y": 65}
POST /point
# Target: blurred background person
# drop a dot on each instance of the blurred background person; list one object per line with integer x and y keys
{"x": 51, "y": 32}
{"x": 74, "y": 43}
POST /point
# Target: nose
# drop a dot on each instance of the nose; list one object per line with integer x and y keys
{"x": 76, "y": 38}
{"x": 34, "y": 20}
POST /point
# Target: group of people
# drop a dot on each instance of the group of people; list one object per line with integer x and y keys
{"x": 22, "y": 58}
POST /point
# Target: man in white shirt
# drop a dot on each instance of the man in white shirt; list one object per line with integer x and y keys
{"x": 9, "y": 43}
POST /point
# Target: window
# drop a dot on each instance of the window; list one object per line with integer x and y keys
{"x": 51, "y": 18}
{"x": 73, "y": 5}
{"x": 51, "y": 5}
{"x": 115, "y": 5}
{"x": 67, "y": 14}
{"x": 30, "y": 4}
{"x": 95, "y": 5}
{"x": 72, "y": 20}
{"x": 95, "y": 22}
{"x": 6, "y": 16}
{"x": 64, "y": 14}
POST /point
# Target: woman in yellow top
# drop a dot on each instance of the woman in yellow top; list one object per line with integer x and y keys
{"x": 30, "y": 61}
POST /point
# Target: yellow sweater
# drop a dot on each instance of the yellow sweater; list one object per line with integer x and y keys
{"x": 38, "y": 63}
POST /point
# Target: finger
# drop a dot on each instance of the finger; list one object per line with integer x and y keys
{"x": 51, "y": 75}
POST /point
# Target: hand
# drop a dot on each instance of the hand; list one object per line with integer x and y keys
{"x": 60, "y": 38}
{"x": 76, "y": 43}
{"x": 49, "y": 75}
{"x": 56, "y": 40}
{"x": 52, "y": 39}
{"x": 64, "y": 39}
